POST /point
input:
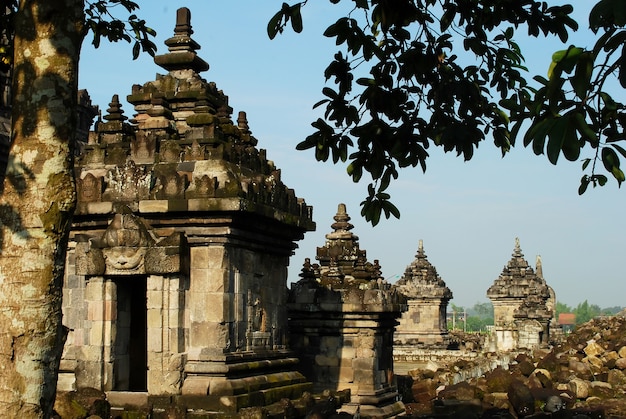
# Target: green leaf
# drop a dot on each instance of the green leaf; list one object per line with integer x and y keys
{"x": 392, "y": 209}
{"x": 581, "y": 81}
{"x": 296, "y": 18}
{"x": 601, "y": 179}
{"x": 136, "y": 50}
{"x": 586, "y": 163}
{"x": 607, "y": 13}
{"x": 585, "y": 130}
{"x": 613, "y": 43}
{"x": 609, "y": 103}
{"x": 584, "y": 183}
{"x": 564, "y": 60}
{"x": 274, "y": 26}
{"x": 611, "y": 162}
{"x": 621, "y": 150}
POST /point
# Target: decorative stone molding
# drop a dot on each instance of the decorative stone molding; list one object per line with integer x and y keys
{"x": 129, "y": 247}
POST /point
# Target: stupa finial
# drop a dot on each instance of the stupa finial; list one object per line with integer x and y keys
{"x": 182, "y": 49}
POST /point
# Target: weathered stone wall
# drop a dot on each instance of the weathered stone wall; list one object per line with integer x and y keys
{"x": 423, "y": 323}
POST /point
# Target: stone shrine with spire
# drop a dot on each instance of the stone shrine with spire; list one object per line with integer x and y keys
{"x": 176, "y": 270}
{"x": 342, "y": 316}
{"x": 427, "y": 296}
{"x": 521, "y": 300}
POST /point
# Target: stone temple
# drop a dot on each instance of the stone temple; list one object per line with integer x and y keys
{"x": 177, "y": 264}
{"x": 425, "y": 321}
{"x": 522, "y": 304}
{"x": 342, "y": 316}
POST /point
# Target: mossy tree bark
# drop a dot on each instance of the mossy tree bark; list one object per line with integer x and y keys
{"x": 37, "y": 200}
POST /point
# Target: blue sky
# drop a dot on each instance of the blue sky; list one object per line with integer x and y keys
{"x": 467, "y": 213}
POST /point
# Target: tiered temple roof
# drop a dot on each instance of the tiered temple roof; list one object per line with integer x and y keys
{"x": 341, "y": 261}
{"x": 421, "y": 280}
{"x": 182, "y": 151}
{"x": 518, "y": 280}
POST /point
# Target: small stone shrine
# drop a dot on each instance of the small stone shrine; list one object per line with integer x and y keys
{"x": 427, "y": 296}
{"x": 176, "y": 269}
{"x": 520, "y": 299}
{"x": 342, "y": 316}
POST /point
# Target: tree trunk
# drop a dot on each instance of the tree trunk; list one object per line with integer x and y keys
{"x": 37, "y": 200}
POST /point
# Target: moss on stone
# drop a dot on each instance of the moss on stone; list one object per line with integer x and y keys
{"x": 200, "y": 119}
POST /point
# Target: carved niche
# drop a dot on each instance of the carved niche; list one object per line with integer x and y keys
{"x": 129, "y": 247}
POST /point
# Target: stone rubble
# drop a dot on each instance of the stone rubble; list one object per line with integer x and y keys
{"x": 582, "y": 377}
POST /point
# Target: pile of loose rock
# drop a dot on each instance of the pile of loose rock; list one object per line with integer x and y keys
{"x": 582, "y": 377}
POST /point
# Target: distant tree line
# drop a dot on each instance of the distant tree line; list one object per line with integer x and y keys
{"x": 471, "y": 319}
{"x": 480, "y": 315}
{"x": 585, "y": 311}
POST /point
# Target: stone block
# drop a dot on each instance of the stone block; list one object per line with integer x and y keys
{"x": 365, "y": 353}
{"x": 209, "y": 280}
{"x": 616, "y": 377}
{"x": 93, "y": 289}
{"x": 176, "y": 299}
{"x": 176, "y": 340}
{"x": 66, "y": 382}
{"x": 155, "y": 340}
{"x": 199, "y": 258}
{"x": 579, "y": 387}
{"x": 99, "y": 207}
{"x": 95, "y": 310}
{"x": 77, "y": 337}
{"x": 155, "y": 318}
{"x": 326, "y": 361}
{"x": 208, "y": 307}
{"x": 96, "y": 334}
{"x": 594, "y": 361}
{"x": 593, "y": 349}
{"x": 347, "y": 353}
{"x": 154, "y": 283}
{"x": 148, "y": 206}
{"x": 346, "y": 374}
{"x": 110, "y": 291}
{"x": 207, "y": 335}
{"x": 154, "y": 299}
{"x": 73, "y": 281}
{"x": 217, "y": 257}
{"x": 330, "y": 343}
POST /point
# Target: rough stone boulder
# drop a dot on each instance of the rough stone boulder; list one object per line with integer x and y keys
{"x": 81, "y": 404}
{"x": 584, "y": 375}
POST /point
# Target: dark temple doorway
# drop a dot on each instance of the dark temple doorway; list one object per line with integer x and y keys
{"x": 131, "y": 340}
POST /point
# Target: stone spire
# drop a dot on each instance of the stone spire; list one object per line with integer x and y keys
{"x": 421, "y": 280}
{"x": 539, "y": 267}
{"x": 116, "y": 131}
{"x": 341, "y": 225}
{"x": 518, "y": 279}
{"x": 114, "y": 111}
{"x": 341, "y": 255}
{"x": 182, "y": 49}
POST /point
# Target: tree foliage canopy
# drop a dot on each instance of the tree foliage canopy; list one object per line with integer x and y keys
{"x": 585, "y": 311}
{"x": 414, "y": 73}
